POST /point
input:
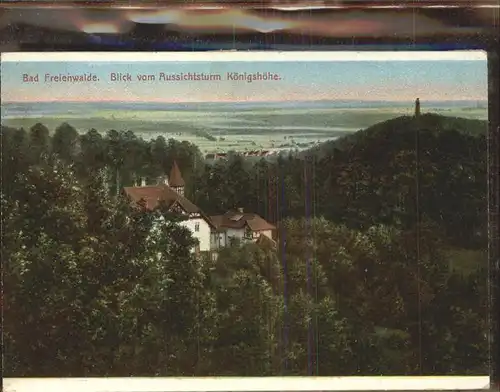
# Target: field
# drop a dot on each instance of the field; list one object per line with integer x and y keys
{"x": 220, "y": 129}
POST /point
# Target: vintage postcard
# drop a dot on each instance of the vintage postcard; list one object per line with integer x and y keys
{"x": 245, "y": 214}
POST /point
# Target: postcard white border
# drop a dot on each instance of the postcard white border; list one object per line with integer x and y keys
{"x": 236, "y": 384}
{"x": 228, "y": 56}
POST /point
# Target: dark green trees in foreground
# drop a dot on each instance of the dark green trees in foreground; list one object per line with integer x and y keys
{"x": 364, "y": 280}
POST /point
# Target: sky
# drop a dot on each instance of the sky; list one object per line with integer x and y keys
{"x": 300, "y": 80}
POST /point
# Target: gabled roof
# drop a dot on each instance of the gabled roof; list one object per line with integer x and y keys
{"x": 238, "y": 220}
{"x": 175, "y": 178}
{"x": 155, "y": 195}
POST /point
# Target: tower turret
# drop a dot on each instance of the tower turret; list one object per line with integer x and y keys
{"x": 175, "y": 180}
{"x": 417, "y": 107}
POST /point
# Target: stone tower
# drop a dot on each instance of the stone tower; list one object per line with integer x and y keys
{"x": 417, "y": 107}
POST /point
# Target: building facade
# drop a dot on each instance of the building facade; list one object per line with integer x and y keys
{"x": 239, "y": 226}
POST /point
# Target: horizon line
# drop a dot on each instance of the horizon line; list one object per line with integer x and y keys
{"x": 255, "y": 101}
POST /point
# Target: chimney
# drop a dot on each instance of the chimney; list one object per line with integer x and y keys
{"x": 162, "y": 180}
{"x": 240, "y": 210}
{"x": 143, "y": 181}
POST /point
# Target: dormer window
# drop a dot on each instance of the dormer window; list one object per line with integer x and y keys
{"x": 177, "y": 208}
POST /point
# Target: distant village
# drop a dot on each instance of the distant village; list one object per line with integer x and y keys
{"x": 256, "y": 153}
{"x": 266, "y": 154}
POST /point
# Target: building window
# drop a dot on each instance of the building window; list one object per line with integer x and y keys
{"x": 248, "y": 232}
{"x": 196, "y": 227}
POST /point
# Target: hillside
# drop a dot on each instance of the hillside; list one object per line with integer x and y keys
{"x": 431, "y": 122}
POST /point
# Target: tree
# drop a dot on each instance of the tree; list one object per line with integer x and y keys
{"x": 92, "y": 295}
{"x": 390, "y": 286}
{"x": 39, "y": 142}
{"x": 249, "y": 312}
{"x": 93, "y": 152}
{"x": 15, "y": 156}
{"x": 116, "y": 155}
{"x": 65, "y": 142}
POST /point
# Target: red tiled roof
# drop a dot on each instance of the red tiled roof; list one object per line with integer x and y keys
{"x": 154, "y": 195}
{"x": 175, "y": 178}
{"x": 238, "y": 220}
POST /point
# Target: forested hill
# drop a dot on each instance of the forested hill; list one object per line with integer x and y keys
{"x": 390, "y": 174}
{"x": 431, "y": 122}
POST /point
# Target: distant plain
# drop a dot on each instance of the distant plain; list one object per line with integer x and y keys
{"x": 220, "y": 128}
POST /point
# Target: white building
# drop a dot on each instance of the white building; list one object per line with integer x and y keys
{"x": 212, "y": 233}
{"x": 240, "y": 226}
{"x": 170, "y": 193}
